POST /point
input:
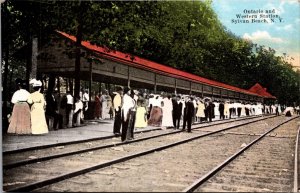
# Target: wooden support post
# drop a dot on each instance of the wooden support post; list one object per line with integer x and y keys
{"x": 58, "y": 86}
{"x": 155, "y": 83}
{"x": 128, "y": 77}
{"x": 67, "y": 84}
{"x": 190, "y": 87}
{"x": 175, "y": 91}
{"x": 34, "y": 54}
{"x": 71, "y": 86}
{"x": 221, "y": 93}
{"x": 90, "y": 82}
{"x": 99, "y": 87}
{"x": 51, "y": 83}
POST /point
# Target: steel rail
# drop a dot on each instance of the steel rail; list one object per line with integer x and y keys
{"x": 42, "y": 183}
{"x": 112, "y": 136}
{"x": 296, "y": 162}
{"x": 49, "y": 157}
{"x": 69, "y": 142}
{"x": 211, "y": 173}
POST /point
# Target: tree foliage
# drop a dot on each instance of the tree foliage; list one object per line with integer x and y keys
{"x": 183, "y": 34}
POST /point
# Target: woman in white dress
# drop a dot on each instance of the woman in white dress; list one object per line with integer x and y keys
{"x": 226, "y": 109}
{"x": 216, "y": 109}
{"x": 167, "y": 108}
{"x": 258, "y": 109}
{"x": 200, "y": 111}
{"x": 243, "y": 110}
{"x": 103, "y": 100}
{"x": 141, "y": 115}
{"x": 38, "y": 119}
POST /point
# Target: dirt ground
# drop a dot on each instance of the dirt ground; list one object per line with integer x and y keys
{"x": 169, "y": 170}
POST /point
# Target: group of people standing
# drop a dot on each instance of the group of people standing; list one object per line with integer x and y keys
{"x": 103, "y": 106}
{"x": 35, "y": 113}
{"x": 130, "y": 108}
{"x": 74, "y": 109}
{"x": 137, "y": 110}
{"x": 28, "y": 115}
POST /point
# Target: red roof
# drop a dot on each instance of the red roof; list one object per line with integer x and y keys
{"x": 257, "y": 88}
{"x": 153, "y": 66}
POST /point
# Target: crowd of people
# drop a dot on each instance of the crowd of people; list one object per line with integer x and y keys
{"x": 134, "y": 109}
{"x": 34, "y": 114}
{"x": 39, "y": 111}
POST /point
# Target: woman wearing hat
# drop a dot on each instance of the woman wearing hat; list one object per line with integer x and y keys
{"x": 38, "y": 119}
{"x": 20, "y": 118}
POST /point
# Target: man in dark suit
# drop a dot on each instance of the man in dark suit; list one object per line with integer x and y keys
{"x": 210, "y": 110}
{"x": 177, "y": 111}
{"x": 117, "y": 104}
{"x": 52, "y": 110}
{"x": 189, "y": 112}
{"x": 221, "y": 109}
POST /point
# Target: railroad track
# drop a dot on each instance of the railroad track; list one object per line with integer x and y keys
{"x": 204, "y": 124}
{"x": 267, "y": 164}
{"x": 17, "y": 158}
{"x": 107, "y": 161}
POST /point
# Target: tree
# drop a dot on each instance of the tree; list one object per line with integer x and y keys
{"x": 186, "y": 35}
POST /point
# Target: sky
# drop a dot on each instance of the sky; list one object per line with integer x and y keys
{"x": 282, "y": 33}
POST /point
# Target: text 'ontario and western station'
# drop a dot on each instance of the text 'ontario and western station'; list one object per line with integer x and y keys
{"x": 257, "y": 16}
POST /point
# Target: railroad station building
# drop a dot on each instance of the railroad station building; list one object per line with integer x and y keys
{"x": 99, "y": 64}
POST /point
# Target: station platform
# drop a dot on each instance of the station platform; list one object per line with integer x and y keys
{"x": 90, "y": 129}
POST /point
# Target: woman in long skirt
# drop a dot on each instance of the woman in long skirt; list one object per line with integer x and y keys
{"x": 110, "y": 108}
{"x": 103, "y": 100}
{"x": 20, "y": 118}
{"x": 156, "y": 113}
{"x": 141, "y": 116}
{"x": 97, "y": 107}
{"x": 226, "y": 109}
{"x": 38, "y": 119}
{"x": 167, "y": 117}
{"x": 200, "y": 111}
